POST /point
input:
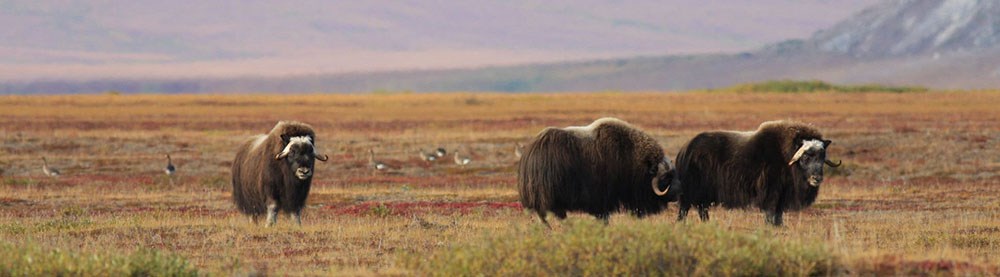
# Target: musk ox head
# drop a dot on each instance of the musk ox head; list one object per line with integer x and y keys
{"x": 299, "y": 155}
{"x": 808, "y": 160}
{"x": 665, "y": 176}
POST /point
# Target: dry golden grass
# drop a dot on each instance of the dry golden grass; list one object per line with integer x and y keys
{"x": 918, "y": 190}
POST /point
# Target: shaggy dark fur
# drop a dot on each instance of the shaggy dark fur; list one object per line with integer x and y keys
{"x": 597, "y": 169}
{"x": 260, "y": 179}
{"x": 741, "y": 169}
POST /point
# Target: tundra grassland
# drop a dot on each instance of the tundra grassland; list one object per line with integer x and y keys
{"x": 918, "y": 192}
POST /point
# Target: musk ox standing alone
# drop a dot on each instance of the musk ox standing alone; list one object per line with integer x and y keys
{"x": 777, "y": 168}
{"x": 272, "y": 172}
{"x": 598, "y": 169}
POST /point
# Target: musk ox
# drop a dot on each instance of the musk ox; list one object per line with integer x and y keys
{"x": 777, "y": 168}
{"x": 597, "y": 169}
{"x": 273, "y": 172}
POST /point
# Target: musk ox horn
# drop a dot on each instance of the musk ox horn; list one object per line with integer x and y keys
{"x": 831, "y": 164}
{"x": 284, "y": 154}
{"x": 661, "y": 168}
{"x": 291, "y": 141}
{"x": 656, "y": 188}
{"x": 802, "y": 150}
{"x": 281, "y": 155}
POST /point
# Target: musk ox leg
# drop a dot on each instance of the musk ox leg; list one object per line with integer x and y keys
{"x": 703, "y": 212}
{"x": 541, "y": 215}
{"x": 603, "y": 217}
{"x": 773, "y": 217}
{"x": 297, "y": 217}
{"x": 272, "y": 214}
{"x": 561, "y": 215}
{"x": 683, "y": 210}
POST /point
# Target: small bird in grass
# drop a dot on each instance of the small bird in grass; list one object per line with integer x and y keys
{"x": 441, "y": 152}
{"x": 517, "y": 150}
{"x": 427, "y": 157}
{"x": 459, "y": 160}
{"x": 49, "y": 171}
{"x": 170, "y": 169}
{"x": 375, "y": 164}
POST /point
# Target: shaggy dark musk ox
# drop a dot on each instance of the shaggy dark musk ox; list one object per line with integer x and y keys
{"x": 273, "y": 172}
{"x": 598, "y": 169}
{"x": 777, "y": 168}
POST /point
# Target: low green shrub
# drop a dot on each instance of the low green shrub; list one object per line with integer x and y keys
{"x": 34, "y": 261}
{"x": 588, "y": 248}
{"x": 19, "y": 182}
{"x": 790, "y": 86}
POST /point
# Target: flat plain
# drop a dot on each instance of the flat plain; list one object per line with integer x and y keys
{"x": 919, "y": 189}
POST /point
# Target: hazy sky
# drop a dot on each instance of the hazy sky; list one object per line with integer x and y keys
{"x": 189, "y": 38}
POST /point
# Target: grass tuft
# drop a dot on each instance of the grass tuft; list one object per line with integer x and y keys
{"x": 381, "y": 210}
{"x": 20, "y": 182}
{"x": 35, "y": 261}
{"x": 588, "y": 248}
{"x": 215, "y": 182}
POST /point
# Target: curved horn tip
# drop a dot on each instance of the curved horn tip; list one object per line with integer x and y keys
{"x": 831, "y": 164}
{"x": 656, "y": 188}
{"x": 322, "y": 158}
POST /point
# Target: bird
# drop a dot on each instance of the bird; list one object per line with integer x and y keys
{"x": 376, "y": 165}
{"x": 461, "y": 160}
{"x": 49, "y": 171}
{"x": 517, "y": 150}
{"x": 427, "y": 157}
{"x": 170, "y": 169}
{"x": 441, "y": 152}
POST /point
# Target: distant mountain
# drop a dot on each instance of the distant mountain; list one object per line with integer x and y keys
{"x": 143, "y": 39}
{"x": 944, "y": 44}
{"x": 915, "y": 27}
{"x": 934, "y": 43}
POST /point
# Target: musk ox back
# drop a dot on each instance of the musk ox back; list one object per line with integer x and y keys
{"x": 598, "y": 169}
{"x": 272, "y": 172}
{"x": 777, "y": 168}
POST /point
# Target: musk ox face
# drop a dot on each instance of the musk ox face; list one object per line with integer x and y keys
{"x": 809, "y": 157}
{"x": 665, "y": 177}
{"x": 300, "y": 156}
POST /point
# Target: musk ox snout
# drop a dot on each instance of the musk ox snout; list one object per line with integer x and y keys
{"x": 303, "y": 167}
{"x": 815, "y": 180}
{"x": 672, "y": 185}
{"x": 303, "y": 173}
{"x": 814, "y": 174}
